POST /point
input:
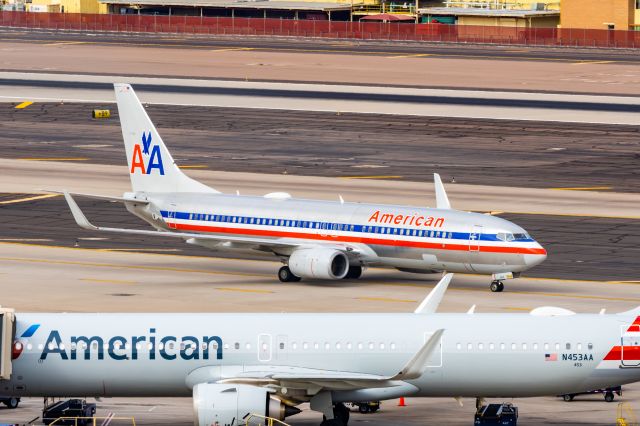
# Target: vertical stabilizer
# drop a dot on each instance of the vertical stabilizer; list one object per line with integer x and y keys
{"x": 151, "y": 167}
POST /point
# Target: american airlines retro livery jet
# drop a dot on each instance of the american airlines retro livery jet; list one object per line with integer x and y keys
{"x": 267, "y": 364}
{"x": 314, "y": 239}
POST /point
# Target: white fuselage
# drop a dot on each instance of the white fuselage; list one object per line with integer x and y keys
{"x": 481, "y": 355}
{"x": 403, "y": 237}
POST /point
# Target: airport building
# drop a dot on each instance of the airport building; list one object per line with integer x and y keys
{"x": 601, "y": 14}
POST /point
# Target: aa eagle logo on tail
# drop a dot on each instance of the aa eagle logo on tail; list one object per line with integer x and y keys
{"x": 140, "y": 153}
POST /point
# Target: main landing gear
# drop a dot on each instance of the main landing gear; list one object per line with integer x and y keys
{"x": 496, "y": 286}
{"x": 286, "y": 276}
{"x": 340, "y": 416}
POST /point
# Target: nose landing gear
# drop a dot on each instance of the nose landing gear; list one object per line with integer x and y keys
{"x": 496, "y": 286}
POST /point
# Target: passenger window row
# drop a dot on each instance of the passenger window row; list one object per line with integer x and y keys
{"x": 521, "y": 347}
{"x": 328, "y": 226}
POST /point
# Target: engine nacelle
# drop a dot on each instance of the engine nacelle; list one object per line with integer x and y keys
{"x": 323, "y": 263}
{"x": 223, "y": 405}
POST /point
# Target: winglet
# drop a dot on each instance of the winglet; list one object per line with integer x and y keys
{"x": 442, "y": 201}
{"x": 80, "y": 218}
{"x": 415, "y": 367}
{"x": 430, "y": 303}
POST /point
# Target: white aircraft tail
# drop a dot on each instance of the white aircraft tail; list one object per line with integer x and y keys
{"x": 151, "y": 167}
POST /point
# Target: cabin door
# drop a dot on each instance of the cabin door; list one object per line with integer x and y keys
{"x": 264, "y": 347}
{"x": 630, "y": 346}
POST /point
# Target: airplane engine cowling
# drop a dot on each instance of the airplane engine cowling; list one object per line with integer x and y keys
{"x": 220, "y": 404}
{"x": 323, "y": 263}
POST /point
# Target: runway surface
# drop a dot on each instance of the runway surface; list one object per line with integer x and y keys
{"x": 314, "y": 46}
{"x": 478, "y": 152}
{"x": 393, "y": 65}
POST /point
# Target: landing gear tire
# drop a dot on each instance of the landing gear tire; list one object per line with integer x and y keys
{"x": 286, "y": 276}
{"x": 609, "y": 396}
{"x": 354, "y": 273}
{"x": 12, "y": 403}
{"x": 496, "y": 286}
{"x": 567, "y": 398}
{"x": 364, "y": 409}
{"x": 332, "y": 422}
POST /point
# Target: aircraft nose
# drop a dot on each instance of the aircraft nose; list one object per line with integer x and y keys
{"x": 534, "y": 259}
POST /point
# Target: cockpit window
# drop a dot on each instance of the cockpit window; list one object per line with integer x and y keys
{"x": 508, "y": 236}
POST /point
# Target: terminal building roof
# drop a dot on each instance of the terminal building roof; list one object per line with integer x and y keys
{"x": 238, "y": 4}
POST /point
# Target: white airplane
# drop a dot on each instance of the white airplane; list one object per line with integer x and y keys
{"x": 268, "y": 364}
{"x": 314, "y": 239}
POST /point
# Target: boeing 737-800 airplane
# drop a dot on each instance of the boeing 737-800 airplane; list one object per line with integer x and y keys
{"x": 314, "y": 239}
{"x": 267, "y": 364}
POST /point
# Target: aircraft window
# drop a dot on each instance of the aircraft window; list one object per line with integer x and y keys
{"x": 491, "y": 346}
{"x": 382, "y": 346}
{"x": 590, "y": 346}
{"x": 513, "y": 346}
{"x": 546, "y": 346}
{"x": 392, "y": 346}
{"x": 294, "y": 346}
{"x": 349, "y": 346}
{"x": 524, "y": 346}
{"x": 62, "y": 346}
{"x": 264, "y": 346}
{"x": 395, "y": 231}
{"x": 469, "y": 346}
{"x": 270, "y": 221}
{"x": 352, "y": 227}
{"x": 161, "y": 346}
{"x": 138, "y": 346}
{"x": 172, "y": 345}
{"x": 288, "y": 223}
{"x": 535, "y": 346}
{"x": 305, "y": 346}
{"x": 40, "y": 346}
{"x": 338, "y": 345}
{"x": 226, "y": 346}
{"x": 360, "y": 346}
{"x": 480, "y": 346}
{"x": 182, "y": 346}
{"x": 316, "y": 346}
{"x": 29, "y": 346}
{"x": 236, "y": 346}
{"x": 281, "y": 346}
{"x": 579, "y": 347}
{"x": 450, "y": 235}
{"x": 458, "y": 346}
{"x": 234, "y": 219}
{"x": 568, "y": 346}
{"x": 371, "y": 346}
{"x": 557, "y": 346}
{"x": 502, "y": 346}
{"x": 190, "y": 216}
{"x": 327, "y": 346}
{"x": 520, "y": 236}
{"x": 248, "y": 346}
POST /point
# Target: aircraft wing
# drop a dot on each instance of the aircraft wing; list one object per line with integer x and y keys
{"x": 197, "y": 238}
{"x": 314, "y": 379}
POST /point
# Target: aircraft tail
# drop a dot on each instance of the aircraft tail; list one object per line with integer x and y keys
{"x": 151, "y": 167}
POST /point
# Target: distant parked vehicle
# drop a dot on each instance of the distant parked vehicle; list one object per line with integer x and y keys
{"x": 72, "y": 409}
{"x": 10, "y": 401}
{"x": 497, "y": 415}
{"x": 609, "y": 393}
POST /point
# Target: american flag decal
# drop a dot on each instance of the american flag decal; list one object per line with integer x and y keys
{"x": 550, "y": 357}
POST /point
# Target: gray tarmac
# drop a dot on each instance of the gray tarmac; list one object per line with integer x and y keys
{"x": 469, "y": 151}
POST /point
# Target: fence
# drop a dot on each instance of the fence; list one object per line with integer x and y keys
{"x": 327, "y": 29}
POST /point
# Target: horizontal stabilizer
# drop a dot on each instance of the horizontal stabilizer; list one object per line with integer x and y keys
{"x": 100, "y": 197}
{"x": 430, "y": 303}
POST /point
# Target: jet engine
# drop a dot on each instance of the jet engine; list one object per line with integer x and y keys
{"x": 323, "y": 263}
{"x": 220, "y": 404}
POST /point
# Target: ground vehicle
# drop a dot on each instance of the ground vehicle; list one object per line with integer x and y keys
{"x": 366, "y": 407}
{"x": 10, "y": 401}
{"x": 609, "y": 393}
{"x": 69, "y": 408}
{"x": 497, "y": 415}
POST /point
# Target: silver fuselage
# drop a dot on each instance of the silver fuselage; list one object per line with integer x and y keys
{"x": 404, "y": 237}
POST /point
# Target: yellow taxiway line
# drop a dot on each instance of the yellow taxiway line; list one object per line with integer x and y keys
{"x": 35, "y": 197}
{"x": 584, "y": 188}
{"x": 386, "y": 299}
{"x": 54, "y": 159}
{"x": 372, "y": 177}
{"x": 23, "y": 105}
{"x": 96, "y": 280}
